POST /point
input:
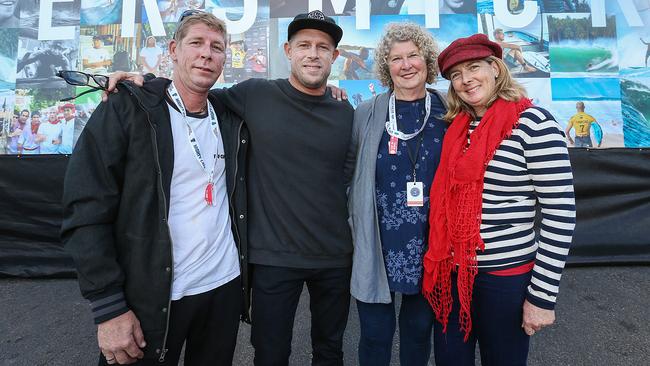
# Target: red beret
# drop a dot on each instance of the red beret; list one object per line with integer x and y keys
{"x": 473, "y": 47}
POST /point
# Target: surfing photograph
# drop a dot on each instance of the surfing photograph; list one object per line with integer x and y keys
{"x": 356, "y": 59}
{"x": 589, "y": 111}
{"x": 636, "y": 111}
{"x": 8, "y": 53}
{"x": 634, "y": 45}
{"x": 96, "y": 12}
{"x": 39, "y": 61}
{"x": 63, "y": 14}
{"x": 580, "y": 49}
{"x": 525, "y": 50}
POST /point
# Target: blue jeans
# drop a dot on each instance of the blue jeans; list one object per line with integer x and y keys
{"x": 377, "y": 323}
{"x": 497, "y": 306}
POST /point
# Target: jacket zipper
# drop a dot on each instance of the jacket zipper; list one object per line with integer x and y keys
{"x": 232, "y": 211}
{"x": 163, "y": 350}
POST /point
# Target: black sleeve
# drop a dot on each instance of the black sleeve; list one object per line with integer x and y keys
{"x": 235, "y": 97}
{"x": 91, "y": 196}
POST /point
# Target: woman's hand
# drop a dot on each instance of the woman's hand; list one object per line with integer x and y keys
{"x": 535, "y": 318}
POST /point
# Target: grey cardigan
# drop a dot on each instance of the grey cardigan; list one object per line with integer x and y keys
{"x": 369, "y": 281}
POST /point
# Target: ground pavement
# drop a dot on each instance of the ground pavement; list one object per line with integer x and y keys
{"x": 602, "y": 316}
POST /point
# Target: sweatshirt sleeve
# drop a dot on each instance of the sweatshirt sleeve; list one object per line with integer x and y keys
{"x": 548, "y": 164}
{"x": 235, "y": 98}
{"x": 91, "y": 196}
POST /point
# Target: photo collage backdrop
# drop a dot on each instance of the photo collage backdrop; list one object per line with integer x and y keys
{"x": 556, "y": 52}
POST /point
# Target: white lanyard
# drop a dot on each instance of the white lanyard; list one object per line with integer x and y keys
{"x": 391, "y": 124}
{"x": 196, "y": 149}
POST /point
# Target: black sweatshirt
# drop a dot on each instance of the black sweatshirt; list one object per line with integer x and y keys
{"x": 296, "y": 182}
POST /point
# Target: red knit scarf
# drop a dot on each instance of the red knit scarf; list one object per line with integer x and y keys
{"x": 456, "y": 204}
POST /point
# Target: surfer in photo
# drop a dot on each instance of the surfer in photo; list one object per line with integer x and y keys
{"x": 647, "y": 53}
{"x": 44, "y": 62}
{"x": 512, "y": 49}
{"x": 582, "y": 123}
{"x": 353, "y": 62}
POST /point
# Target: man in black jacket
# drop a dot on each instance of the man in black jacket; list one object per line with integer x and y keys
{"x": 154, "y": 212}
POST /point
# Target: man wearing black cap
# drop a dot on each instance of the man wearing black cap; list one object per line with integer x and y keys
{"x": 298, "y": 231}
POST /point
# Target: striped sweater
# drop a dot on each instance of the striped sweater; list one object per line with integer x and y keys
{"x": 530, "y": 168}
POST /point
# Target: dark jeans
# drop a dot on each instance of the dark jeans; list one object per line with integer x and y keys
{"x": 377, "y": 323}
{"x": 276, "y": 291}
{"x": 497, "y": 306}
{"x": 207, "y": 324}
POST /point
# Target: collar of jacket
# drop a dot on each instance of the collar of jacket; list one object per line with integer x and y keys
{"x": 152, "y": 93}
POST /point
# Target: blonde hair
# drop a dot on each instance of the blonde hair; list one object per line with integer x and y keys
{"x": 506, "y": 88}
{"x": 206, "y": 18}
{"x": 404, "y": 32}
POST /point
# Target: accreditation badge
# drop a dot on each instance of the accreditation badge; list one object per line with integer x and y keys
{"x": 392, "y": 145}
{"x": 414, "y": 194}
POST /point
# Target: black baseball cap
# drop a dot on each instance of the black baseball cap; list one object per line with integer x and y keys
{"x": 315, "y": 20}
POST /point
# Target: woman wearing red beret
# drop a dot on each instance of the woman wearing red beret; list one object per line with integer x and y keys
{"x": 489, "y": 278}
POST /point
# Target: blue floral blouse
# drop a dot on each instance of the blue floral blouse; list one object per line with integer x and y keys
{"x": 404, "y": 230}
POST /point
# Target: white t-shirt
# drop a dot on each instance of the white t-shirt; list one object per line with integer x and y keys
{"x": 51, "y": 132}
{"x": 96, "y": 55}
{"x": 205, "y": 253}
{"x": 150, "y": 54}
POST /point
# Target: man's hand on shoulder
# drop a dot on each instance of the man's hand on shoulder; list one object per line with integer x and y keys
{"x": 338, "y": 93}
{"x": 121, "y": 339}
{"x": 118, "y": 76}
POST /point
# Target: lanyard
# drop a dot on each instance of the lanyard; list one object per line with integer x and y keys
{"x": 391, "y": 124}
{"x": 413, "y": 159}
{"x": 196, "y": 149}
